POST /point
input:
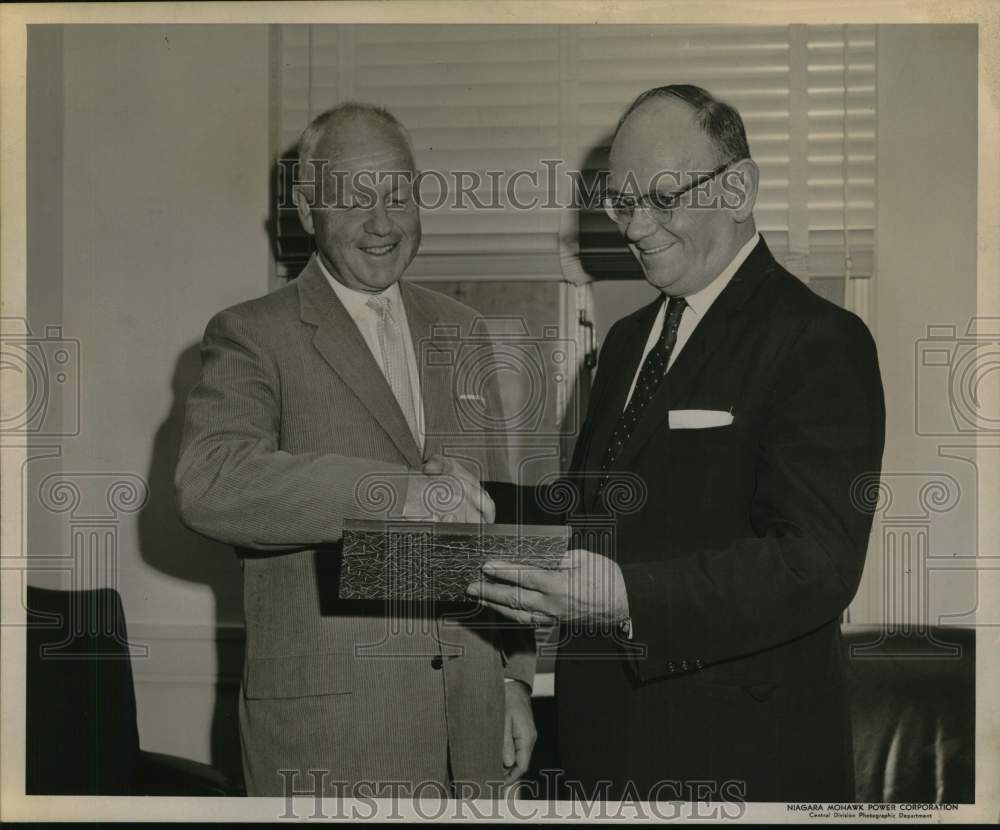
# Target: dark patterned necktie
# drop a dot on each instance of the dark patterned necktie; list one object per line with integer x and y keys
{"x": 654, "y": 369}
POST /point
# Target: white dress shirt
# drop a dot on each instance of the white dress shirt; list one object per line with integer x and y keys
{"x": 366, "y": 319}
{"x": 697, "y": 307}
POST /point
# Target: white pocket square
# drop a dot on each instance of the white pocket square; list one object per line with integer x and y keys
{"x": 699, "y": 418}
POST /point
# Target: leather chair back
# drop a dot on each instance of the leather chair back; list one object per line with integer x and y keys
{"x": 81, "y": 733}
{"x": 913, "y": 709}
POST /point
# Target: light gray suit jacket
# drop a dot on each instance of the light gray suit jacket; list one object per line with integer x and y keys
{"x": 291, "y": 429}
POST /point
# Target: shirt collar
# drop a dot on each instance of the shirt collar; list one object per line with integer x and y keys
{"x": 701, "y": 301}
{"x": 356, "y": 302}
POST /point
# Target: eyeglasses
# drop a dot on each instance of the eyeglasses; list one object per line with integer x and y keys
{"x": 621, "y": 207}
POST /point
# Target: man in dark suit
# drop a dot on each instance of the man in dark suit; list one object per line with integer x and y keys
{"x": 729, "y": 425}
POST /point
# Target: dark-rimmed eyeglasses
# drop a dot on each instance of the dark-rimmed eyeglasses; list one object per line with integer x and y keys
{"x": 621, "y": 207}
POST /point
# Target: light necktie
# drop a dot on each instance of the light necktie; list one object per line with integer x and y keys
{"x": 651, "y": 375}
{"x": 394, "y": 363}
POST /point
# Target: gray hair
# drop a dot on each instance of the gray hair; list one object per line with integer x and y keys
{"x": 720, "y": 121}
{"x": 329, "y": 120}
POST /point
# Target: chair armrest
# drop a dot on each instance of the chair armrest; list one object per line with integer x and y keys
{"x": 170, "y": 775}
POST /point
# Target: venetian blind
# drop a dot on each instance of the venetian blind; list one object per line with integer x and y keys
{"x": 519, "y": 98}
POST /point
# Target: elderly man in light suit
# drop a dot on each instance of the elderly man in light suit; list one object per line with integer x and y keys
{"x": 310, "y": 398}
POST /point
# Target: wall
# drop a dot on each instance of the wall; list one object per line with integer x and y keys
{"x": 925, "y": 276}
{"x": 163, "y": 161}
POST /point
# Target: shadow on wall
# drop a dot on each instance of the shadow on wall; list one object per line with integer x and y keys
{"x": 168, "y": 545}
{"x": 173, "y": 549}
{"x": 291, "y": 246}
{"x": 604, "y": 255}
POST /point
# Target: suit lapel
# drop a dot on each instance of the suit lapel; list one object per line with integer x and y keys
{"x": 341, "y": 345}
{"x": 708, "y": 335}
{"x": 609, "y": 402}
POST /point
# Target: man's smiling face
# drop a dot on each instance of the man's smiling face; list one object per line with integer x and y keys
{"x": 662, "y": 142}
{"x": 367, "y": 229}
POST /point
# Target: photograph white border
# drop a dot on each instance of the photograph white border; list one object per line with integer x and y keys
{"x": 14, "y": 19}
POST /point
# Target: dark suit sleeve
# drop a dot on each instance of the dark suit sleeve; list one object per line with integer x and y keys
{"x": 824, "y": 429}
{"x": 529, "y": 505}
{"x": 552, "y": 502}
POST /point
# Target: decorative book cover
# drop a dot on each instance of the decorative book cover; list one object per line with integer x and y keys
{"x": 436, "y": 561}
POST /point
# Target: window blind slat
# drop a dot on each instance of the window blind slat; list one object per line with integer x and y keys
{"x": 502, "y": 98}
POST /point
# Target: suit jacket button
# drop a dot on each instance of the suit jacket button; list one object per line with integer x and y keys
{"x": 684, "y": 665}
{"x": 437, "y": 662}
{"x": 697, "y": 664}
{"x": 670, "y": 667}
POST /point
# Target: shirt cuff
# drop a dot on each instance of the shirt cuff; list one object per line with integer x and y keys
{"x": 626, "y": 627}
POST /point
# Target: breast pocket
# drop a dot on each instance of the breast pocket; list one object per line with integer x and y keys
{"x": 703, "y": 478}
{"x": 714, "y": 443}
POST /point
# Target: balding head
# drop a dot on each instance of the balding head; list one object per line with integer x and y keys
{"x": 357, "y": 198}
{"x": 670, "y": 144}
{"x": 721, "y": 122}
{"x": 348, "y": 133}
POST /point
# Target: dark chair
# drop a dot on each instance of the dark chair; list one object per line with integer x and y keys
{"x": 913, "y": 711}
{"x": 913, "y": 706}
{"x": 81, "y": 733}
